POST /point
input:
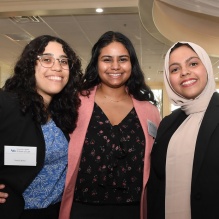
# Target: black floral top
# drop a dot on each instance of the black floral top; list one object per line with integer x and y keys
{"x": 111, "y": 167}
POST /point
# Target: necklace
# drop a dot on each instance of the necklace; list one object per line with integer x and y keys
{"x": 116, "y": 101}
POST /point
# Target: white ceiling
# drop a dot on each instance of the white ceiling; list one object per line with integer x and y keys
{"x": 76, "y": 22}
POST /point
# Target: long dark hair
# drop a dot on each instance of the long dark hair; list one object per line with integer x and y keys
{"x": 64, "y": 106}
{"x": 136, "y": 83}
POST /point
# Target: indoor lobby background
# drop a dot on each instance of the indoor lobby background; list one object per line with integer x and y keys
{"x": 152, "y": 25}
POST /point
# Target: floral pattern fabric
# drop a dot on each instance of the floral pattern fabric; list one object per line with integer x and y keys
{"x": 48, "y": 186}
{"x": 111, "y": 167}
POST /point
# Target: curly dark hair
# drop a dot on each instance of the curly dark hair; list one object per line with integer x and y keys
{"x": 136, "y": 83}
{"x": 64, "y": 106}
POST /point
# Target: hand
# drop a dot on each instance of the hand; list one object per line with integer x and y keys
{"x": 3, "y": 195}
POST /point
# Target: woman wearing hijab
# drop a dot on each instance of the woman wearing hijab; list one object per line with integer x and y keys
{"x": 184, "y": 177}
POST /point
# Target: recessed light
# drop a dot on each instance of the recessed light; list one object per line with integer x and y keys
{"x": 25, "y": 19}
{"x": 19, "y": 37}
{"x": 99, "y": 10}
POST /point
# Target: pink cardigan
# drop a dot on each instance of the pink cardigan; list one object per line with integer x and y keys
{"x": 145, "y": 111}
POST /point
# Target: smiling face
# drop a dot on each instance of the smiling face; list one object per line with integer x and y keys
{"x": 50, "y": 81}
{"x": 114, "y": 65}
{"x": 187, "y": 74}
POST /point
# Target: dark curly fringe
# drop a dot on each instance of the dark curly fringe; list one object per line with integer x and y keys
{"x": 136, "y": 83}
{"x": 64, "y": 106}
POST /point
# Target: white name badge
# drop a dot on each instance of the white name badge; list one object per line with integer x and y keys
{"x": 20, "y": 155}
{"x": 152, "y": 129}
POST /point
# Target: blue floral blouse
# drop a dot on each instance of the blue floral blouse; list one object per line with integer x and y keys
{"x": 48, "y": 186}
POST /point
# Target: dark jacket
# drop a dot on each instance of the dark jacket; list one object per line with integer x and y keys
{"x": 205, "y": 176}
{"x": 18, "y": 130}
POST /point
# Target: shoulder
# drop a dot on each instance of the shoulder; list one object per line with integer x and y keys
{"x": 174, "y": 115}
{"x": 145, "y": 105}
{"x": 90, "y": 96}
{"x": 88, "y": 92}
{"x": 211, "y": 113}
{"x": 147, "y": 110}
{"x": 173, "y": 119}
{"x": 214, "y": 99}
{"x": 8, "y": 98}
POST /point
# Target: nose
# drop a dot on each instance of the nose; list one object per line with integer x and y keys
{"x": 115, "y": 65}
{"x": 56, "y": 65}
{"x": 185, "y": 71}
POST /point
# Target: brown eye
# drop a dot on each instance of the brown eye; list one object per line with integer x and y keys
{"x": 47, "y": 59}
{"x": 64, "y": 62}
{"x": 106, "y": 60}
{"x": 194, "y": 64}
{"x": 123, "y": 60}
{"x": 173, "y": 70}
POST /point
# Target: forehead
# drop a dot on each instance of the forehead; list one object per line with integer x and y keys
{"x": 114, "y": 48}
{"x": 181, "y": 53}
{"x": 54, "y": 48}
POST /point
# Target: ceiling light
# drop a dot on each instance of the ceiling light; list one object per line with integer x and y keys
{"x": 25, "y": 19}
{"x": 19, "y": 37}
{"x": 99, "y": 10}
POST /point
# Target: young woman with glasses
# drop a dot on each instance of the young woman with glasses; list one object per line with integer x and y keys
{"x": 38, "y": 110}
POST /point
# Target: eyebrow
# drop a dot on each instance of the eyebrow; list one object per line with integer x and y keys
{"x": 108, "y": 56}
{"x": 61, "y": 56}
{"x": 187, "y": 60}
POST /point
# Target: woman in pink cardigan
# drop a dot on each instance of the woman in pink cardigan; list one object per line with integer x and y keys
{"x": 109, "y": 151}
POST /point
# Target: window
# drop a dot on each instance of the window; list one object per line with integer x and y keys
{"x": 158, "y": 95}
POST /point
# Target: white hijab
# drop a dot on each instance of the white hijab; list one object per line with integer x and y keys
{"x": 180, "y": 152}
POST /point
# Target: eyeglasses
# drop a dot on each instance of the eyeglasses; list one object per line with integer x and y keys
{"x": 47, "y": 61}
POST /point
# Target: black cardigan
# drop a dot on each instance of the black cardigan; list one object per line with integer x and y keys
{"x": 18, "y": 130}
{"x": 204, "y": 196}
